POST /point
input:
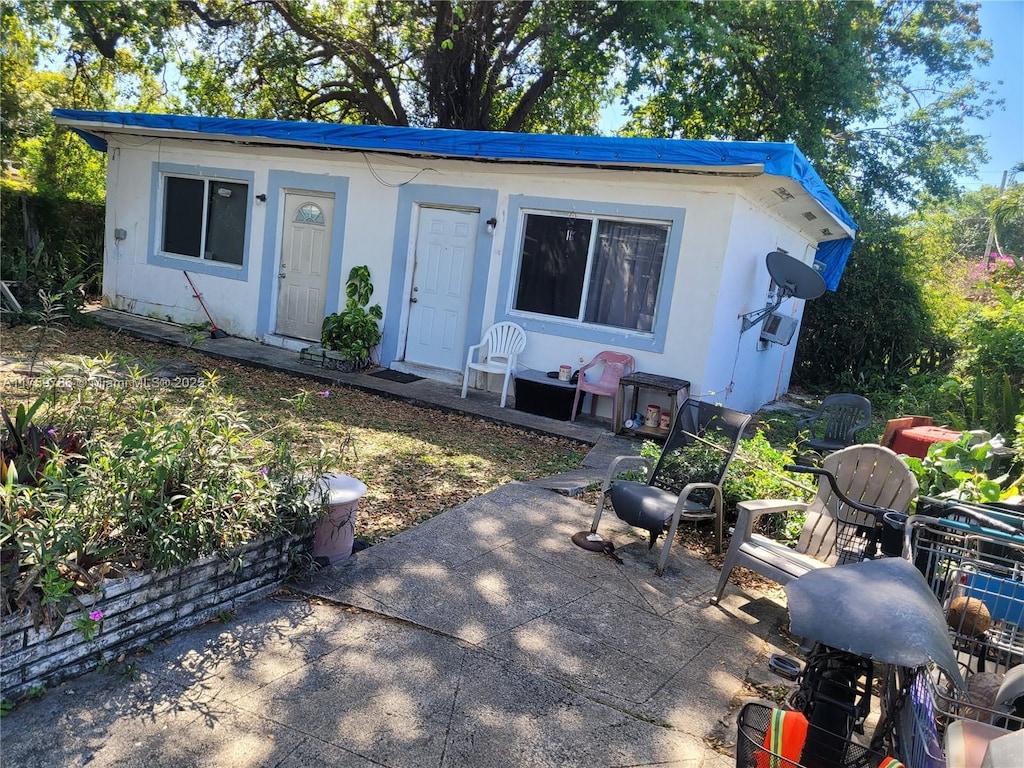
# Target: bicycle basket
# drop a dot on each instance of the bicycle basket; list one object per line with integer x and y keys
{"x": 856, "y": 536}
{"x": 752, "y": 731}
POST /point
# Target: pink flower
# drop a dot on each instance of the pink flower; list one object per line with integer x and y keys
{"x": 95, "y": 615}
{"x": 325, "y": 393}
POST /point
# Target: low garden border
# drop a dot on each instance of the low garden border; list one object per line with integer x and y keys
{"x": 137, "y": 610}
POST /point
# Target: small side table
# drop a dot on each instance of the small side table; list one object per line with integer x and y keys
{"x": 656, "y": 383}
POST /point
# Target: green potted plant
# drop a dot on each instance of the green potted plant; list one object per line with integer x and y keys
{"x": 354, "y": 332}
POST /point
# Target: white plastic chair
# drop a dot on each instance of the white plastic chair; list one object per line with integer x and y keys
{"x": 504, "y": 343}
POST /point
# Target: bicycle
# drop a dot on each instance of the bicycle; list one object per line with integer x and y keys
{"x": 834, "y": 691}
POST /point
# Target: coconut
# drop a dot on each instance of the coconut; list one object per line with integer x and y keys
{"x": 968, "y": 616}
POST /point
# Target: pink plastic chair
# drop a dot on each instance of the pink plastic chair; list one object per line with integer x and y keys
{"x": 616, "y": 365}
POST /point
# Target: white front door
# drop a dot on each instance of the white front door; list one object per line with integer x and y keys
{"x": 441, "y": 281}
{"x": 305, "y": 254}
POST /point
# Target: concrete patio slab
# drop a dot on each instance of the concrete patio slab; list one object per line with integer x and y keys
{"x": 480, "y": 638}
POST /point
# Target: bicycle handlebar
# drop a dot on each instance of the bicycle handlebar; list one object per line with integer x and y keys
{"x": 860, "y": 506}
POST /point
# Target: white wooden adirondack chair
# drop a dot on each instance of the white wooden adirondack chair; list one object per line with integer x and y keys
{"x": 866, "y": 473}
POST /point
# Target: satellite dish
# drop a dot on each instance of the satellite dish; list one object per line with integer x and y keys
{"x": 793, "y": 278}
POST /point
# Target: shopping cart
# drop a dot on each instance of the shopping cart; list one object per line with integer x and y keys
{"x": 944, "y": 535}
{"x": 977, "y": 572}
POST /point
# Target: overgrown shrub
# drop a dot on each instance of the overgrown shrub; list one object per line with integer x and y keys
{"x": 875, "y": 329}
{"x": 106, "y": 472}
{"x": 992, "y": 363}
{"x": 758, "y": 472}
{"x": 49, "y": 243}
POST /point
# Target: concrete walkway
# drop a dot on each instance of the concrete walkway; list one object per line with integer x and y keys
{"x": 482, "y": 637}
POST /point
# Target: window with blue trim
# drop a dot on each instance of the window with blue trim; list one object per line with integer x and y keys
{"x": 204, "y": 218}
{"x": 591, "y": 269}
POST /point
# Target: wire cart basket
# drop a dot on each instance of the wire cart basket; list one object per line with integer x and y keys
{"x": 753, "y": 750}
{"x": 857, "y": 535}
{"x": 978, "y": 576}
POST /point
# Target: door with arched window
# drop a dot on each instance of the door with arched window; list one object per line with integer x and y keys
{"x": 305, "y": 255}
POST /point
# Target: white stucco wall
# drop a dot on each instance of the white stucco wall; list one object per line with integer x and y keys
{"x": 720, "y": 271}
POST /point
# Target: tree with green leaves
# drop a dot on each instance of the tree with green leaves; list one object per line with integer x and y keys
{"x": 505, "y": 65}
{"x": 1007, "y": 212}
{"x": 873, "y": 92}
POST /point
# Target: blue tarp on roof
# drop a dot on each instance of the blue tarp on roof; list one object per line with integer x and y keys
{"x": 778, "y": 159}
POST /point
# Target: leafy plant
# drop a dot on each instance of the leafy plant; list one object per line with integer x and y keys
{"x": 960, "y": 470}
{"x": 47, "y": 323}
{"x": 757, "y": 472}
{"x": 89, "y": 623}
{"x": 26, "y": 447}
{"x": 355, "y": 331}
{"x": 130, "y": 482}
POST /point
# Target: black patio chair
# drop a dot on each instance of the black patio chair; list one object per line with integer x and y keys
{"x": 835, "y": 424}
{"x": 686, "y": 482}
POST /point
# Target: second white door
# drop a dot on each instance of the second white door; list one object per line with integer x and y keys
{"x": 442, "y": 278}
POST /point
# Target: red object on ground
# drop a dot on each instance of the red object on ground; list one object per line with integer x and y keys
{"x": 915, "y": 441}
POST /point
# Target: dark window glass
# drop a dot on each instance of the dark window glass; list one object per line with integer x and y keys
{"x": 553, "y": 265}
{"x": 205, "y": 219}
{"x": 183, "y": 216}
{"x": 621, "y": 270}
{"x": 225, "y": 225}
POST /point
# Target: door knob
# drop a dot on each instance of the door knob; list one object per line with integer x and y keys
{"x": 281, "y": 275}
{"x": 413, "y": 300}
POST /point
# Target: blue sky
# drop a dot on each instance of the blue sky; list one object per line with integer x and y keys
{"x": 1002, "y": 22}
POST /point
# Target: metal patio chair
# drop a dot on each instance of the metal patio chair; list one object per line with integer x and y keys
{"x": 686, "y": 482}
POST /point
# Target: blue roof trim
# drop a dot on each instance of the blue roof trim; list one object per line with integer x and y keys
{"x": 834, "y": 254}
{"x": 95, "y": 142}
{"x": 778, "y": 159}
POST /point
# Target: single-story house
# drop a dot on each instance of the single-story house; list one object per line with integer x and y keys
{"x": 654, "y": 247}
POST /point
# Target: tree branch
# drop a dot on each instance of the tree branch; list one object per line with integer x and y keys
{"x": 529, "y": 100}
{"x": 366, "y": 67}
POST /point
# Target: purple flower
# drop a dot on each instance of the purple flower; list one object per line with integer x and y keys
{"x": 325, "y": 393}
{"x": 95, "y": 615}
{"x": 51, "y": 432}
{"x": 264, "y": 471}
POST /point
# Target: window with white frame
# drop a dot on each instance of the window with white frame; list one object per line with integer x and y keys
{"x": 592, "y": 269}
{"x": 204, "y": 218}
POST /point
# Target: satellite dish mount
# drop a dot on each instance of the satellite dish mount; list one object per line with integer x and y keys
{"x": 793, "y": 278}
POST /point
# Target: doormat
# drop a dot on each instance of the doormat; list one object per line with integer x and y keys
{"x": 401, "y": 378}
